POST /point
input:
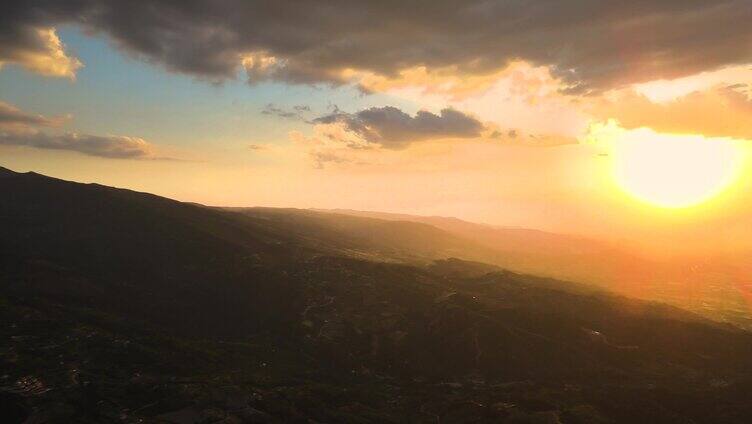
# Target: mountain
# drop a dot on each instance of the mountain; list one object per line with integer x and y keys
{"x": 421, "y": 240}
{"x": 530, "y": 250}
{"x": 368, "y": 238}
{"x": 504, "y": 238}
{"x": 717, "y": 287}
{"x": 125, "y": 306}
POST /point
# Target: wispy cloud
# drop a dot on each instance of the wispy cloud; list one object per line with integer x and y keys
{"x": 11, "y": 116}
{"x": 112, "y": 147}
{"x": 19, "y": 128}
{"x": 519, "y": 138}
{"x": 297, "y": 111}
{"x": 322, "y": 158}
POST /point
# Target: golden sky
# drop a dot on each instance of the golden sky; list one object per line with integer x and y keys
{"x": 626, "y": 121}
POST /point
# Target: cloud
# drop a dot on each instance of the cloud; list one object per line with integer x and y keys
{"x": 321, "y": 158}
{"x": 392, "y": 128}
{"x": 514, "y": 137}
{"x": 378, "y": 129}
{"x": 112, "y": 147}
{"x": 722, "y": 111}
{"x": 18, "y": 128}
{"x": 590, "y": 45}
{"x": 37, "y": 49}
{"x": 297, "y": 111}
{"x": 11, "y": 116}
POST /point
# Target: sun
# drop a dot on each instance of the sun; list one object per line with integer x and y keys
{"x": 674, "y": 171}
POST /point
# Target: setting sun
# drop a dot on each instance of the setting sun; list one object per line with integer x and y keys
{"x": 674, "y": 171}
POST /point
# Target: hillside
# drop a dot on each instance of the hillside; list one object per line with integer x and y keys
{"x": 717, "y": 287}
{"x": 369, "y": 238}
{"x": 528, "y": 250}
{"x": 125, "y": 306}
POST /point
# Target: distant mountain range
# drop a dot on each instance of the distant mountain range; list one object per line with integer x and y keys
{"x": 719, "y": 287}
{"x": 530, "y": 250}
{"x": 129, "y": 307}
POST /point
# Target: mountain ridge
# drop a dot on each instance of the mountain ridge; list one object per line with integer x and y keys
{"x": 129, "y": 306}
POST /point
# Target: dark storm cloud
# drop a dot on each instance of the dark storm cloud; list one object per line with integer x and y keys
{"x": 394, "y": 129}
{"x": 112, "y": 147}
{"x": 592, "y": 44}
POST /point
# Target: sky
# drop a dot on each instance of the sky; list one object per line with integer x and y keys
{"x": 630, "y": 121}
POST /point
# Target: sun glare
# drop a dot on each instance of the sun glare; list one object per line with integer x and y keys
{"x": 674, "y": 171}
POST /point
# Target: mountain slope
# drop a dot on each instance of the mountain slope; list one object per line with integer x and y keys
{"x": 716, "y": 287}
{"x": 535, "y": 251}
{"x": 368, "y": 238}
{"x": 127, "y": 306}
{"x": 504, "y": 238}
{"x": 114, "y": 244}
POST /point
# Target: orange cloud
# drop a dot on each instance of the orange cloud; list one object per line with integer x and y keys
{"x": 42, "y": 53}
{"x": 724, "y": 111}
{"x": 19, "y": 128}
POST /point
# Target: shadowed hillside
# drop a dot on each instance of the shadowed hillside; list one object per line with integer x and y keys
{"x": 124, "y": 306}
